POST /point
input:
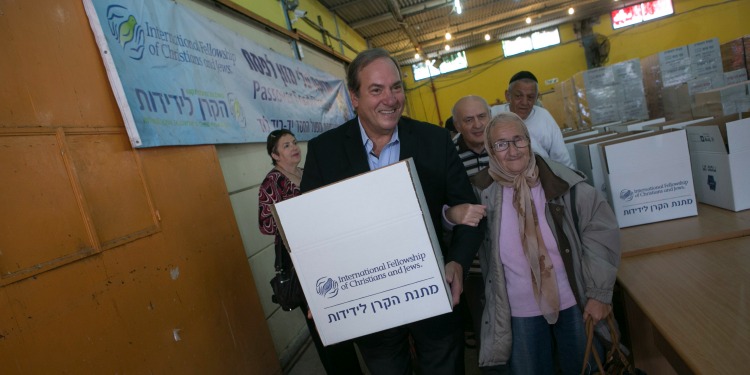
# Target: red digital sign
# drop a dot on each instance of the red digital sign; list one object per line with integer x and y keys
{"x": 641, "y": 12}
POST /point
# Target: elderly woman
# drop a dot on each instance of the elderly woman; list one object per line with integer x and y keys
{"x": 281, "y": 183}
{"x": 544, "y": 275}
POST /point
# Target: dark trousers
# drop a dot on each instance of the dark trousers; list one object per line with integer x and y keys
{"x": 338, "y": 358}
{"x": 438, "y": 345}
{"x": 473, "y": 297}
{"x": 543, "y": 348}
{"x": 472, "y": 300}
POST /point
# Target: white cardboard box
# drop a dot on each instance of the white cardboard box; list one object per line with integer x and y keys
{"x": 629, "y": 127}
{"x": 605, "y": 127}
{"x": 366, "y": 253}
{"x": 578, "y": 134}
{"x": 649, "y": 179}
{"x": 677, "y": 124}
{"x": 571, "y": 143}
{"x": 590, "y": 162}
{"x": 721, "y": 163}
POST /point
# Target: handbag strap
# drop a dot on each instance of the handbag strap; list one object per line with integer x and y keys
{"x": 282, "y": 262}
{"x": 590, "y": 350}
{"x": 614, "y": 352}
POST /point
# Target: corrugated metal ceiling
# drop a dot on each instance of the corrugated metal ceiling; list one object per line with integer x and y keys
{"x": 404, "y": 27}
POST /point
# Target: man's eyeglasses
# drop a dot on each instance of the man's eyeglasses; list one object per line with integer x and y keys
{"x": 519, "y": 142}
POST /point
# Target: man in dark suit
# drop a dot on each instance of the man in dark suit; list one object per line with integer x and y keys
{"x": 380, "y": 136}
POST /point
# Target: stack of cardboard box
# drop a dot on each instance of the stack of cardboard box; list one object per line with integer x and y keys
{"x": 682, "y": 72}
{"x": 562, "y": 103}
{"x": 665, "y": 84}
{"x": 553, "y": 102}
{"x": 735, "y": 55}
{"x": 722, "y": 101}
{"x": 612, "y": 93}
{"x": 652, "y": 85}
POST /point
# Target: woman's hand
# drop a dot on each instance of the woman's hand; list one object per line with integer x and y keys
{"x": 596, "y": 310}
{"x": 466, "y": 214}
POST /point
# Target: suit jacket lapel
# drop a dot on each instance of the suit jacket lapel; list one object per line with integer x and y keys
{"x": 407, "y": 139}
{"x": 355, "y": 150}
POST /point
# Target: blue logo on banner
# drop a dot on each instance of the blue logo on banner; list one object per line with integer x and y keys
{"x": 236, "y": 108}
{"x": 327, "y": 287}
{"x": 126, "y": 30}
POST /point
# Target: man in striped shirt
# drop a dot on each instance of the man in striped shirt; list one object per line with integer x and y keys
{"x": 471, "y": 114}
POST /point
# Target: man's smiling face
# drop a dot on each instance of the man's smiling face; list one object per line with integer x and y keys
{"x": 381, "y": 97}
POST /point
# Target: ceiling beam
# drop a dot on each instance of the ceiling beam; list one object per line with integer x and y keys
{"x": 396, "y": 10}
{"x": 491, "y": 25}
{"x": 431, "y": 5}
{"x": 371, "y": 20}
{"x": 344, "y": 5}
{"x": 504, "y": 17}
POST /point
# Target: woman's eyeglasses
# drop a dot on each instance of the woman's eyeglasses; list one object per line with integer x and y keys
{"x": 519, "y": 142}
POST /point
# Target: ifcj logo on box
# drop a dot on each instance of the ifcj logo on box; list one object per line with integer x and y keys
{"x": 711, "y": 182}
{"x": 327, "y": 287}
{"x": 653, "y": 190}
{"x": 626, "y": 195}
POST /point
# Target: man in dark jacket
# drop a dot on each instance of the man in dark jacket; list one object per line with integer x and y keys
{"x": 380, "y": 136}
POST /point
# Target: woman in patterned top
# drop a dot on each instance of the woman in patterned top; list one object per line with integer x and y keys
{"x": 281, "y": 183}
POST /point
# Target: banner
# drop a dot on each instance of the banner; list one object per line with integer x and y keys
{"x": 182, "y": 79}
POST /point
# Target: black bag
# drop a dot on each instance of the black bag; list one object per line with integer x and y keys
{"x": 287, "y": 291}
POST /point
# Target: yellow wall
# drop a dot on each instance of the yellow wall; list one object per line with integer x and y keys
{"x": 112, "y": 259}
{"x": 488, "y": 76}
{"x": 489, "y": 72}
{"x": 269, "y": 9}
{"x": 693, "y": 21}
{"x": 274, "y": 11}
{"x": 353, "y": 38}
{"x": 330, "y": 22}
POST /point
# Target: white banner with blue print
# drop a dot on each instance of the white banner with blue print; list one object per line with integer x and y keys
{"x": 182, "y": 79}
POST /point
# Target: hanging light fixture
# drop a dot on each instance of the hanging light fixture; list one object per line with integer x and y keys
{"x": 528, "y": 19}
{"x": 457, "y": 6}
{"x": 416, "y": 56}
{"x": 487, "y": 37}
{"x": 448, "y": 36}
{"x": 447, "y": 47}
{"x": 571, "y": 11}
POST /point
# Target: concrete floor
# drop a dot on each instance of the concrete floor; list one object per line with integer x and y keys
{"x": 308, "y": 362}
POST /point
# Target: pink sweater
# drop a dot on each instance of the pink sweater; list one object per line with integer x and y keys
{"x": 517, "y": 271}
